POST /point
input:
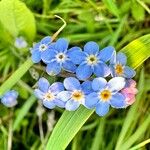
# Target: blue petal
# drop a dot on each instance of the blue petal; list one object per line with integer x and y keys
{"x": 71, "y": 84}
{"x": 35, "y": 47}
{"x": 72, "y": 105}
{"x": 64, "y": 96}
{"x": 129, "y": 72}
{"x": 39, "y": 94}
{"x": 59, "y": 103}
{"x": 49, "y": 104}
{"x": 99, "y": 83}
{"x": 113, "y": 58}
{"x": 101, "y": 70}
{"x": 121, "y": 58}
{"x": 118, "y": 101}
{"x": 106, "y": 53}
{"x": 116, "y": 84}
{"x": 76, "y": 55}
{"x": 36, "y": 56}
{"x": 69, "y": 66}
{"x": 43, "y": 84}
{"x": 84, "y": 71}
{"x": 48, "y": 55}
{"x": 87, "y": 87}
{"x": 56, "y": 87}
{"x": 46, "y": 40}
{"x": 112, "y": 70}
{"x": 91, "y": 47}
{"x": 102, "y": 108}
{"x": 9, "y": 101}
{"x": 91, "y": 100}
{"x": 61, "y": 45}
{"x": 53, "y": 68}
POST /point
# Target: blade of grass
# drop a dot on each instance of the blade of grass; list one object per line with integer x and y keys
{"x": 136, "y": 147}
{"x": 96, "y": 145}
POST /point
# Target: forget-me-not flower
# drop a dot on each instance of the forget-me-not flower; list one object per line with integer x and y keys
{"x": 57, "y": 58}
{"x": 106, "y": 94}
{"x": 91, "y": 60}
{"x": 48, "y": 93}
{"x": 20, "y": 42}
{"x": 75, "y": 94}
{"x": 119, "y": 68}
{"x": 9, "y": 99}
{"x": 39, "y": 48}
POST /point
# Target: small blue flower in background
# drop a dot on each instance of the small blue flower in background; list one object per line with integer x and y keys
{"x": 39, "y": 48}
{"x": 75, "y": 94}
{"x": 9, "y": 99}
{"x": 57, "y": 58}
{"x": 20, "y": 43}
{"x": 119, "y": 68}
{"x": 106, "y": 94}
{"x": 91, "y": 60}
{"x": 48, "y": 93}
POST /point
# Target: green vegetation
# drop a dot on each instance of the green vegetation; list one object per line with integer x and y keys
{"x": 123, "y": 24}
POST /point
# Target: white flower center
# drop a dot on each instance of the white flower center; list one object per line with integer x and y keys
{"x": 61, "y": 57}
{"x": 49, "y": 96}
{"x": 105, "y": 95}
{"x": 42, "y": 47}
{"x": 77, "y": 95}
{"x": 92, "y": 60}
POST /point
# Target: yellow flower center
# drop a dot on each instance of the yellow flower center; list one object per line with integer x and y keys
{"x": 92, "y": 60}
{"x": 49, "y": 96}
{"x": 105, "y": 95}
{"x": 119, "y": 69}
{"x": 77, "y": 95}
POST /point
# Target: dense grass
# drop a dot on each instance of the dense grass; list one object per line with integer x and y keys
{"x": 105, "y": 22}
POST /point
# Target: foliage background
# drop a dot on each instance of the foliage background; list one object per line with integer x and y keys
{"x": 107, "y": 22}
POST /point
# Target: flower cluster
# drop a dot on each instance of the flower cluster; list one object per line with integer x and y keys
{"x": 9, "y": 99}
{"x": 102, "y": 77}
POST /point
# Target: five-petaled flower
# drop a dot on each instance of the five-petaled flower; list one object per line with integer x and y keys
{"x": 57, "y": 58}
{"x": 76, "y": 93}
{"x": 106, "y": 94}
{"x": 38, "y": 49}
{"x": 9, "y": 99}
{"x": 91, "y": 60}
{"x": 48, "y": 93}
{"x": 119, "y": 68}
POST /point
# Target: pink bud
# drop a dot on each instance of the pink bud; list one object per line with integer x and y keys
{"x": 129, "y": 92}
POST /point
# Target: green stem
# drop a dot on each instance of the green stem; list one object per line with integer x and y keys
{"x": 12, "y": 80}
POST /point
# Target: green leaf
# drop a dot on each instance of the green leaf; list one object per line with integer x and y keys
{"x": 138, "y": 11}
{"x": 71, "y": 122}
{"x": 112, "y": 7}
{"x": 23, "y": 111}
{"x": 17, "y": 19}
{"x": 12, "y": 80}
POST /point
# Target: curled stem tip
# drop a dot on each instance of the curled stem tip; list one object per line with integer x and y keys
{"x": 60, "y": 29}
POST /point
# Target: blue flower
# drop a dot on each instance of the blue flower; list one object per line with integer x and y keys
{"x": 91, "y": 60}
{"x": 75, "y": 94}
{"x": 20, "y": 43}
{"x": 48, "y": 93}
{"x": 57, "y": 58}
{"x": 9, "y": 99}
{"x": 39, "y": 48}
{"x": 119, "y": 68}
{"x": 106, "y": 94}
